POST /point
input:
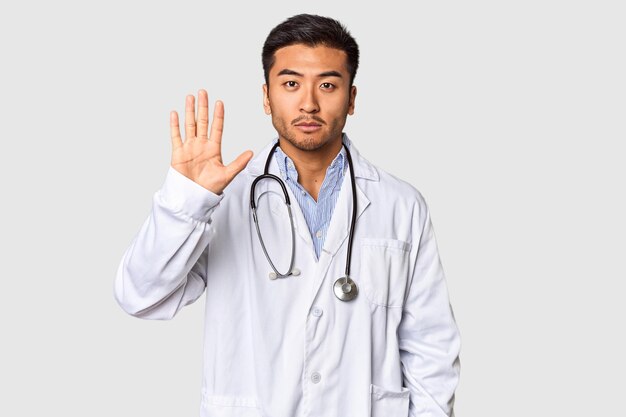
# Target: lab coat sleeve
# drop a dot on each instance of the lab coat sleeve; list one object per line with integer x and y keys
{"x": 164, "y": 268}
{"x": 428, "y": 337}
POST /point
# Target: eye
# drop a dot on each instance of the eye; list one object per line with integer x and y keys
{"x": 291, "y": 84}
{"x": 327, "y": 86}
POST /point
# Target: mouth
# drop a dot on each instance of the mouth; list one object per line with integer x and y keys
{"x": 308, "y": 127}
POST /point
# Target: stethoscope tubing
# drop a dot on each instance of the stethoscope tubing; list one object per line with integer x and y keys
{"x": 353, "y": 221}
{"x": 256, "y": 221}
{"x": 267, "y": 175}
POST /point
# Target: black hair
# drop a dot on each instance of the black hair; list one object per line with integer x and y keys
{"x": 310, "y": 30}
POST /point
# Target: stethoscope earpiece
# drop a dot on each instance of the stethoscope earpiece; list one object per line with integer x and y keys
{"x": 294, "y": 272}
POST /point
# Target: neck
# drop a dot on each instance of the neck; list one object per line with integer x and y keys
{"x": 312, "y": 165}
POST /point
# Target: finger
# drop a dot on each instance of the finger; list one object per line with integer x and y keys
{"x": 190, "y": 117}
{"x": 175, "y": 130}
{"x": 203, "y": 114}
{"x": 217, "y": 124}
{"x": 239, "y": 163}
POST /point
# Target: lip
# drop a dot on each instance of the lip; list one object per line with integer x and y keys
{"x": 308, "y": 127}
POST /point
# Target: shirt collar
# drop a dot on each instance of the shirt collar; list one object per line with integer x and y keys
{"x": 362, "y": 167}
{"x": 288, "y": 169}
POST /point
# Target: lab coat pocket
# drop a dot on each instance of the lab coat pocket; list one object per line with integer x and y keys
{"x": 384, "y": 270}
{"x": 385, "y": 403}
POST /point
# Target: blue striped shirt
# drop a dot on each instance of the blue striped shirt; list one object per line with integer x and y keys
{"x": 316, "y": 213}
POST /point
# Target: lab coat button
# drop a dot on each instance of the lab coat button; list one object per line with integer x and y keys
{"x": 316, "y": 377}
{"x": 317, "y": 312}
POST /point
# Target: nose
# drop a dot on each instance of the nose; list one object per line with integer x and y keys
{"x": 309, "y": 103}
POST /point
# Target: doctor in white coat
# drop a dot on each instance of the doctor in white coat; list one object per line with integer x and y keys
{"x": 289, "y": 346}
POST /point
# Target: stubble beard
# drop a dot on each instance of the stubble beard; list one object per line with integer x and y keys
{"x": 307, "y": 143}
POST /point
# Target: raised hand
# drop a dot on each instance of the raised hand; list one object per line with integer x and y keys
{"x": 199, "y": 157}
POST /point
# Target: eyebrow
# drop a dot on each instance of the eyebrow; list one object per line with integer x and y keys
{"x": 287, "y": 71}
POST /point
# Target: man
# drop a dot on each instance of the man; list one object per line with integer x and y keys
{"x": 310, "y": 341}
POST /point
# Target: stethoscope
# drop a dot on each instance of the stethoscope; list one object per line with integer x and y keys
{"x": 344, "y": 288}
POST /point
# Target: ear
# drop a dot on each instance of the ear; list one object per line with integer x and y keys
{"x": 352, "y": 99}
{"x": 266, "y": 100}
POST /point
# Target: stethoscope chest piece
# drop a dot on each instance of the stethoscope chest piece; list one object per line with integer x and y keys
{"x": 345, "y": 289}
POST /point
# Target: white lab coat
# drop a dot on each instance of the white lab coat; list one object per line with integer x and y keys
{"x": 288, "y": 347}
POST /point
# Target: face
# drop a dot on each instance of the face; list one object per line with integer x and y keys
{"x": 309, "y": 95}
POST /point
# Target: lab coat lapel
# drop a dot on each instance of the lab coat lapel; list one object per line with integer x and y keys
{"x": 339, "y": 228}
{"x": 302, "y": 229}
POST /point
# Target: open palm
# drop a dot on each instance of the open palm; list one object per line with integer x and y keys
{"x": 199, "y": 156}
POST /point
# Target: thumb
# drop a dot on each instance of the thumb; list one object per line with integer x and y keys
{"x": 239, "y": 163}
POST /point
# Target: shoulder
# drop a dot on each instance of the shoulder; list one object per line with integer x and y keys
{"x": 399, "y": 196}
{"x": 393, "y": 208}
{"x": 390, "y": 199}
{"x": 384, "y": 185}
{"x": 401, "y": 187}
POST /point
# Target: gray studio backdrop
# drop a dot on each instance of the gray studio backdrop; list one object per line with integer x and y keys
{"x": 508, "y": 116}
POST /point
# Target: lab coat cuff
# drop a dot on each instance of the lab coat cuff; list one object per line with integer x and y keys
{"x": 181, "y": 194}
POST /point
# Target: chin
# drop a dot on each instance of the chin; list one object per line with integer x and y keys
{"x": 308, "y": 142}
